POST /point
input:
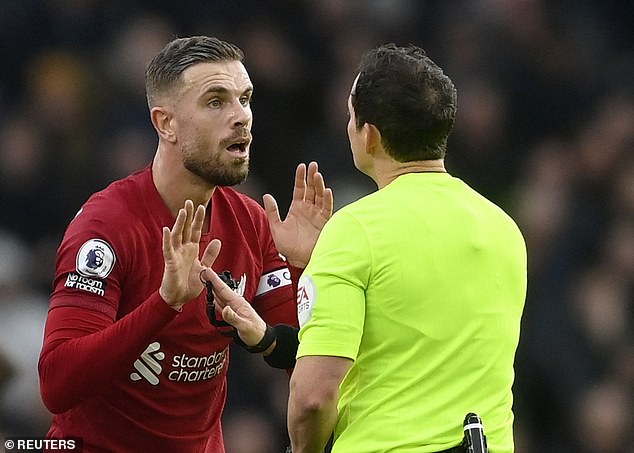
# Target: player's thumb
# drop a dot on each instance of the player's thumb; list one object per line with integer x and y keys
{"x": 231, "y": 317}
{"x": 211, "y": 253}
{"x": 271, "y": 209}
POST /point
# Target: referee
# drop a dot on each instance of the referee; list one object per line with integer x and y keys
{"x": 411, "y": 303}
{"x": 410, "y": 306}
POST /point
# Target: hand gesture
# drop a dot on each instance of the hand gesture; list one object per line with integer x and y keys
{"x": 181, "y": 276}
{"x": 236, "y": 310}
{"x": 310, "y": 209}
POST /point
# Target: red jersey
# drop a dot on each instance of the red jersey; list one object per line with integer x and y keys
{"x": 121, "y": 369}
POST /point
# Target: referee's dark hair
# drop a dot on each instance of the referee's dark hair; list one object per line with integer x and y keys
{"x": 408, "y": 98}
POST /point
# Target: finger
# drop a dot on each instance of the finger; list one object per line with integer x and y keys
{"x": 168, "y": 251}
{"x": 310, "y": 183}
{"x": 230, "y": 316}
{"x": 272, "y": 211}
{"x": 327, "y": 203}
{"x": 250, "y": 330}
{"x": 176, "y": 235}
{"x": 222, "y": 292}
{"x": 211, "y": 253}
{"x": 217, "y": 284}
{"x": 225, "y": 296}
{"x": 189, "y": 218}
{"x": 197, "y": 224}
{"x": 320, "y": 187}
{"x": 299, "y": 189}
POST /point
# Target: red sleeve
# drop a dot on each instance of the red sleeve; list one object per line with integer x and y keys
{"x": 276, "y": 296}
{"x": 296, "y": 273}
{"x": 280, "y": 306}
{"x": 279, "y": 314}
{"x": 78, "y": 359}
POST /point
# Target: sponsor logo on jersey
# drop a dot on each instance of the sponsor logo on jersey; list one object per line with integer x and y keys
{"x": 306, "y": 295}
{"x": 183, "y": 367}
{"x": 90, "y": 285}
{"x": 193, "y": 368}
{"x": 95, "y": 258}
{"x": 273, "y": 280}
{"x": 147, "y": 366}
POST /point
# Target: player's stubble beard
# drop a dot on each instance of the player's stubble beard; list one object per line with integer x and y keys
{"x": 214, "y": 168}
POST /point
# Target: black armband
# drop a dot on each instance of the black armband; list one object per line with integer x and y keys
{"x": 283, "y": 355}
{"x": 267, "y": 340}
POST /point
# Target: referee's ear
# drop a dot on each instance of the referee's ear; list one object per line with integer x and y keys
{"x": 372, "y": 137}
{"x": 162, "y": 122}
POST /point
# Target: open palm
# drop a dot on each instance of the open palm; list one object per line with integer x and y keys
{"x": 310, "y": 209}
{"x": 181, "y": 282}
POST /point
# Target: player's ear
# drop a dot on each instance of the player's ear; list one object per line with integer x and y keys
{"x": 162, "y": 121}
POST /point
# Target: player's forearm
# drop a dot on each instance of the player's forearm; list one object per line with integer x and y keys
{"x": 83, "y": 351}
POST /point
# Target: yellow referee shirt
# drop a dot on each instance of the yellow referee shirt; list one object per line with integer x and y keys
{"x": 421, "y": 284}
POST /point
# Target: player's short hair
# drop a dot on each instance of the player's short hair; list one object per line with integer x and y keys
{"x": 408, "y": 98}
{"x": 163, "y": 72}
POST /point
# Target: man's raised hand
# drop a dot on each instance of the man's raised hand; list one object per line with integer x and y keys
{"x": 181, "y": 244}
{"x": 310, "y": 209}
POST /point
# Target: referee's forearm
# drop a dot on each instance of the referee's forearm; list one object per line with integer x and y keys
{"x": 312, "y": 402}
{"x": 313, "y": 399}
{"x": 310, "y": 427}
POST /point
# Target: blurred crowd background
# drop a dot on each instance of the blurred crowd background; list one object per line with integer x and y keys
{"x": 545, "y": 128}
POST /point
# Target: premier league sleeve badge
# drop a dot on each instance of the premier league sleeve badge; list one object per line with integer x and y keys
{"x": 95, "y": 259}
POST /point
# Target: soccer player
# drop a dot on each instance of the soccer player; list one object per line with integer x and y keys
{"x": 130, "y": 360}
{"x": 411, "y": 303}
